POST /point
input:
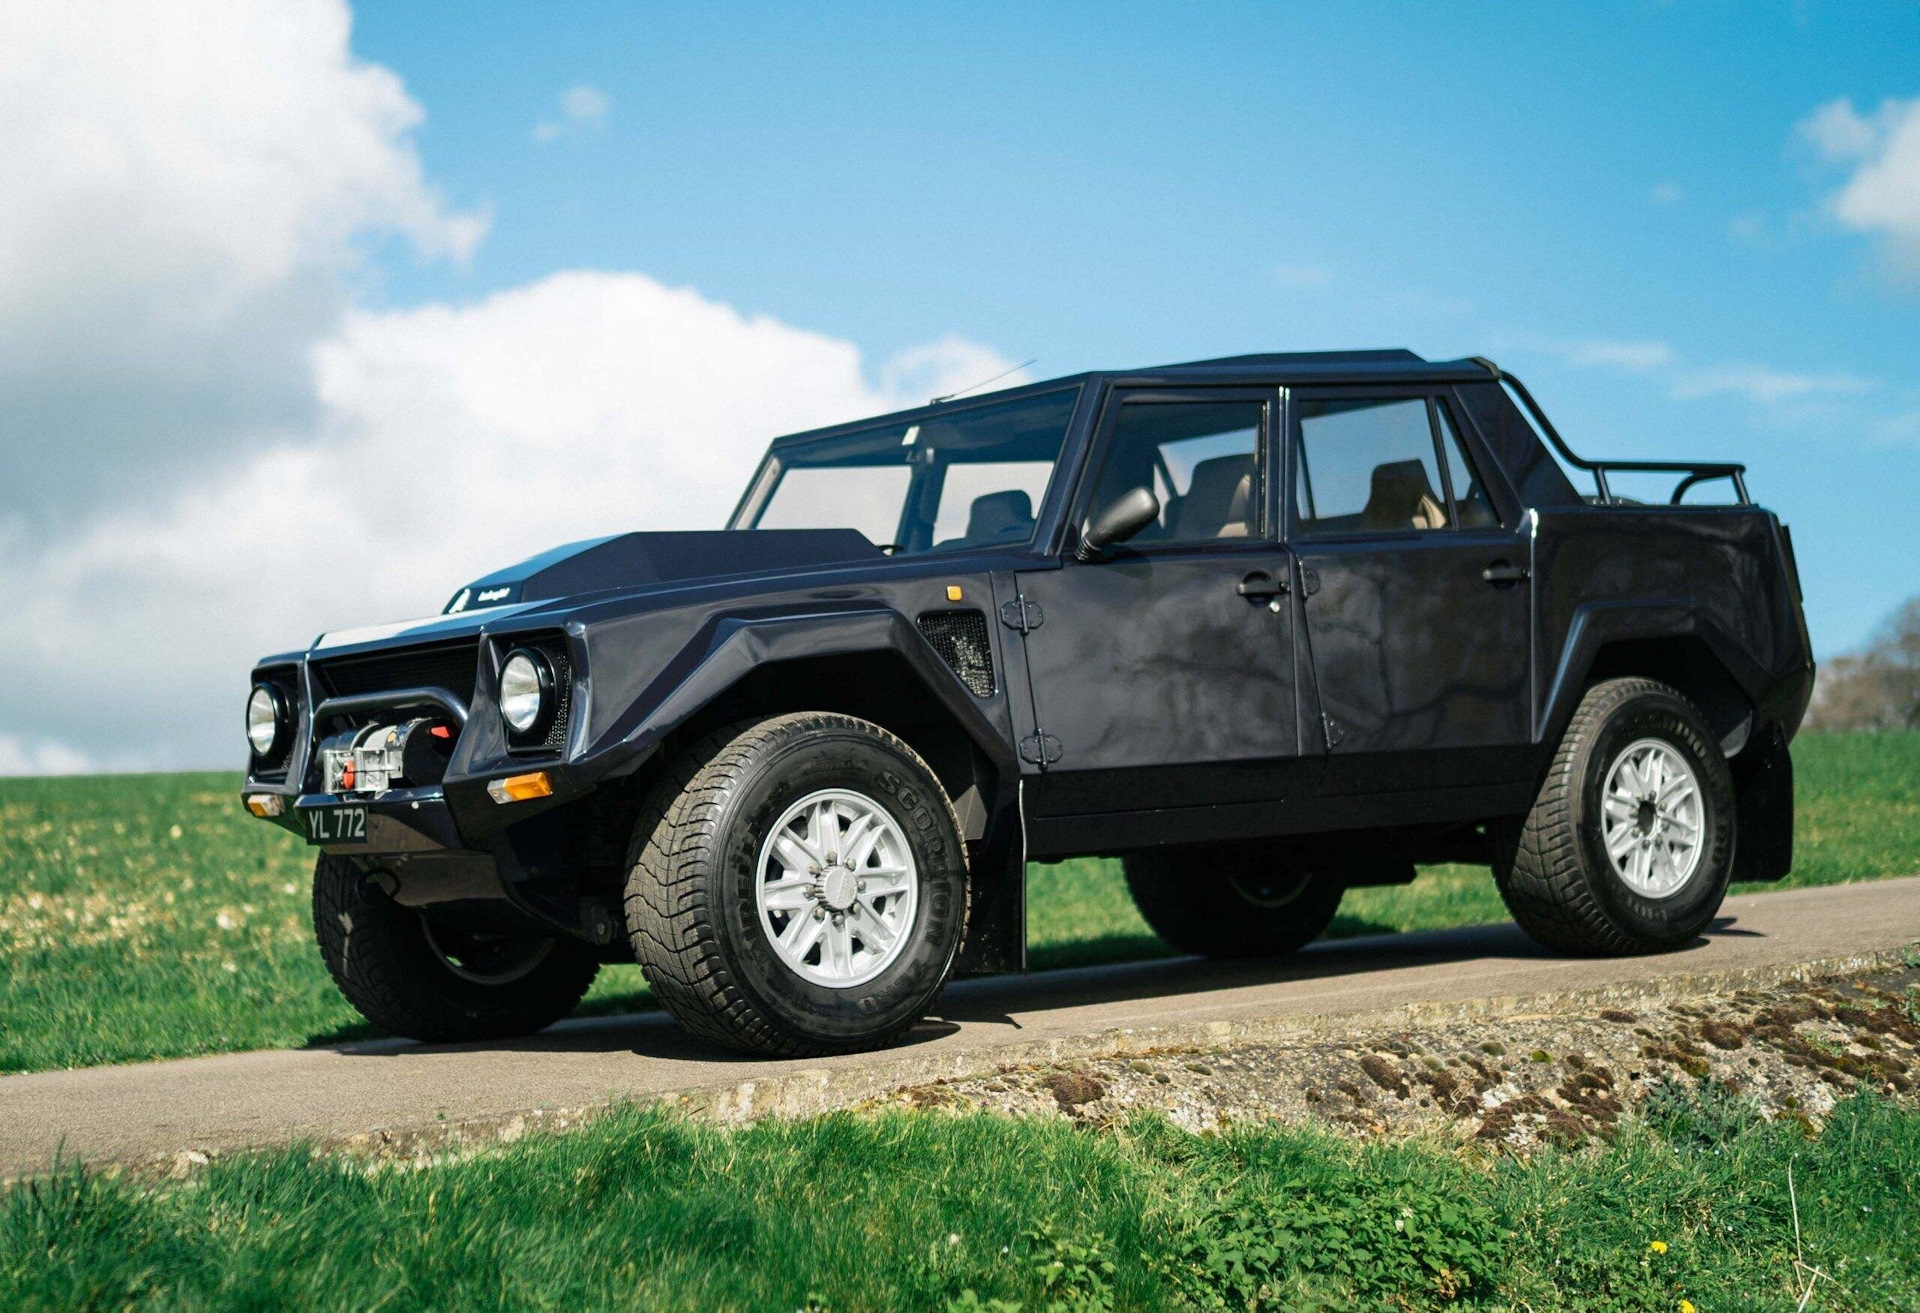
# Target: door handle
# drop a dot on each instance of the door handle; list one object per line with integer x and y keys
{"x": 1260, "y": 585}
{"x": 1502, "y": 572}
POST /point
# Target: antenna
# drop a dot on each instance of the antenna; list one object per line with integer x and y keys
{"x": 974, "y": 387}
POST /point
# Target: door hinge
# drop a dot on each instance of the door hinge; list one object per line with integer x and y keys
{"x": 1040, "y": 748}
{"x": 1334, "y": 731}
{"x": 1310, "y": 582}
{"x": 1022, "y": 614}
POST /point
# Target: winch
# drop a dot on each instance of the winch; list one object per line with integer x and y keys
{"x": 375, "y": 758}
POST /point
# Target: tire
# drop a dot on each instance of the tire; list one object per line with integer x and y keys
{"x": 430, "y": 982}
{"x": 1555, "y": 872}
{"x": 705, "y": 856}
{"x": 1230, "y": 900}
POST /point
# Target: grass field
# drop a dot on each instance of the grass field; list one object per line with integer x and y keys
{"x": 147, "y": 916}
{"x": 1689, "y": 1208}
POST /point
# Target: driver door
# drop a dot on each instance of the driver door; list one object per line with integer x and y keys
{"x": 1162, "y": 677}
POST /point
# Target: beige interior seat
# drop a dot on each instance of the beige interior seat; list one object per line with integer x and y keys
{"x": 1217, "y": 500}
{"x": 1402, "y": 498}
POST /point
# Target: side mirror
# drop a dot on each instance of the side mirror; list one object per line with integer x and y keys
{"x": 1123, "y": 517}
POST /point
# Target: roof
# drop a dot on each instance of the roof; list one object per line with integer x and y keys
{"x": 1395, "y": 363}
{"x": 1385, "y": 365}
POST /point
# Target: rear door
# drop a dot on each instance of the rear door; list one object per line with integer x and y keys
{"x": 1163, "y": 676}
{"x": 1414, "y": 568}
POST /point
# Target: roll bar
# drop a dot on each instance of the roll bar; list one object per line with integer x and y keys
{"x": 1695, "y": 471}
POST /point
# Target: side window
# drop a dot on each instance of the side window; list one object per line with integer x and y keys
{"x": 1473, "y": 509}
{"x": 1367, "y": 466}
{"x": 1201, "y": 459}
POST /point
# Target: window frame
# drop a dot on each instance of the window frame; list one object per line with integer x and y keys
{"x": 775, "y": 463}
{"x": 1437, "y": 403}
{"x": 1080, "y": 508}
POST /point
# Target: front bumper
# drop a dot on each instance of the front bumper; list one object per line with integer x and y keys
{"x": 400, "y": 822}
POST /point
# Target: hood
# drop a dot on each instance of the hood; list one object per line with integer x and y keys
{"x": 632, "y": 560}
{"x": 628, "y": 560}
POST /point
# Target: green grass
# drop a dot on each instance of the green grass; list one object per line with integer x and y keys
{"x": 931, "y": 1211}
{"x": 147, "y": 916}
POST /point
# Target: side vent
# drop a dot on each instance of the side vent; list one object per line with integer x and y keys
{"x": 960, "y": 637}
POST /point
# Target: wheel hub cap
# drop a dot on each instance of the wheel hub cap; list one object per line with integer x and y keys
{"x": 1653, "y": 818}
{"x": 836, "y": 888}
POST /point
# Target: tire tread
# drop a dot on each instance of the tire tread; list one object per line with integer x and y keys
{"x": 670, "y": 916}
{"x": 1543, "y": 880}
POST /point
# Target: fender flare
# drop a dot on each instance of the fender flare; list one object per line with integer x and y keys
{"x": 729, "y": 648}
{"x": 1597, "y": 624}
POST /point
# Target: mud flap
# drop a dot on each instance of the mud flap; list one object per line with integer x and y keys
{"x": 1763, "y": 808}
{"x": 997, "y": 895}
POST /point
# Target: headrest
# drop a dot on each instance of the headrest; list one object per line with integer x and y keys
{"x": 1216, "y": 502}
{"x": 1401, "y": 497}
{"x": 999, "y": 513}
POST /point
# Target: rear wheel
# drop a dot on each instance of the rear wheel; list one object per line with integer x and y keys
{"x": 1230, "y": 900}
{"x": 1629, "y": 846}
{"x": 797, "y": 885}
{"x": 428, "y": 979}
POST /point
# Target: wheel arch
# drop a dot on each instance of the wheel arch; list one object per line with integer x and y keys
{"x": 877, "y": 666}
{"x": 1672, "y": 643}
{"x": 1666, "y": 640}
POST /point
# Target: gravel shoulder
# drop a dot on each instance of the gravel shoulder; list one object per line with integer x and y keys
{"x": 1562, "y": 1075}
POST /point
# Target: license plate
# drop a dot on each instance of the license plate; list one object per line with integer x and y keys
{"x": 336, "y": 825}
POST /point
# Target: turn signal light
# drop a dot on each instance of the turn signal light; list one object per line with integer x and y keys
{"x": 265, "y": 805}
{"x": 520, "y": 788}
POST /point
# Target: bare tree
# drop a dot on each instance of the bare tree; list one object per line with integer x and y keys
{"x": 1875, "y": 689}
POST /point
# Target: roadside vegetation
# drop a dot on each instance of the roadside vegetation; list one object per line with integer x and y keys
{"x": 147, "y": 916}
{"x": 1701, "y": 1203}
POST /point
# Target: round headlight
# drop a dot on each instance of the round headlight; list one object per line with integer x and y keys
{"x": 266, "y": 720}
{"x": 526, "y": 691}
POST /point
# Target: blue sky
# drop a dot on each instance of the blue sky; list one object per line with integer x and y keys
{"x": 1613, "y": 200}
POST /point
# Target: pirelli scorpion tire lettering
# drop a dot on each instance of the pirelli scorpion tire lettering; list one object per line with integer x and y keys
{"x": 1230, "y": 900}
{"x": 1629, "y": 846}
{"x": 797, "y": 886}
{"x": 430, "y": 981}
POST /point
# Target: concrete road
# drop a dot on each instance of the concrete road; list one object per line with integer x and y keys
{"x": 401, "y": 1090}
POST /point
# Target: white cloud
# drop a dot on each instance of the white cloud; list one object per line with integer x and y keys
{"x": 208, "y": 452}
{"x": 581, "y": 106}
{"x": 449, "y": 440}
{"x": 20, "y": 756}
{"x": 187, "y": 184}
{"x": 1615, "y": 354}
{"x": 1666, "y": 193}
{"x": 950, "y": 365}
{"x": 1839, "y": 131}
{"x": 1881, "y": 193}
{"x": 1689, "y": 381}
{"x": 1767, "y": 386}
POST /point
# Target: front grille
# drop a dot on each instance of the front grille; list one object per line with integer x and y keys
{"x": 960, "y": 637}
{"x": 449, "y": 666}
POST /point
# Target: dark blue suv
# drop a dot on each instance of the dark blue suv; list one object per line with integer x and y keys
{"x": 1265, "y": 628}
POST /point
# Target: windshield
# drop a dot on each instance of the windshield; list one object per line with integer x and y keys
{"x": 968, "y": 477}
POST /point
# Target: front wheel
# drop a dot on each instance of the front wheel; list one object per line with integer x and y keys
{"x": 797, "y": 886}
{"x": 1629, "y": 846}
{"x": 1230, "y": 900}
{"x": 430, "y": 979}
